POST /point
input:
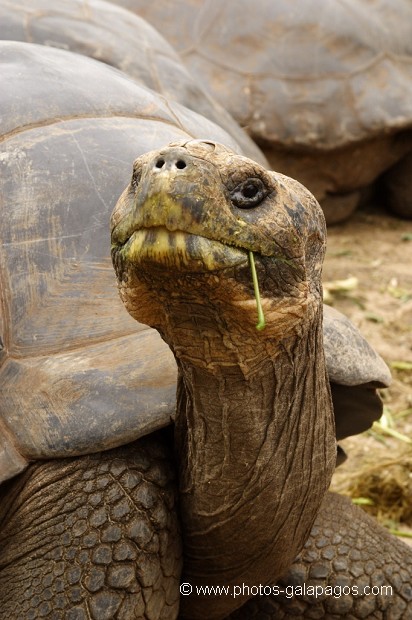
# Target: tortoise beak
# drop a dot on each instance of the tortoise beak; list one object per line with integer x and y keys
{"x": 167, "y": 218}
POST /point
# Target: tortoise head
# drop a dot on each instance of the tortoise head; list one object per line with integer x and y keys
{"x": 183, "y": 231}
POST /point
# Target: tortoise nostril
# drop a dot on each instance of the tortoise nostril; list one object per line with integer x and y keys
{"x": 169, "y": 161}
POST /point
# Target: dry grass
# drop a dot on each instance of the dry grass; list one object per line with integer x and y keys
{"x": 386, "y": 485}
{"x": 368, "y": 277}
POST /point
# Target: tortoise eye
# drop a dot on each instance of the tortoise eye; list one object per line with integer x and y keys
{"x": 249, "y": 193}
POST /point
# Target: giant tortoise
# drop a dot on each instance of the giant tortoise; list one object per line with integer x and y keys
{"x": 324, "y": 87}
{"x": 121, "y": 39}
{"x": 89, "y": 530}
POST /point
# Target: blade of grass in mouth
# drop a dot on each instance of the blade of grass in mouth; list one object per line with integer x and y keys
{"x": 261, "y": 317}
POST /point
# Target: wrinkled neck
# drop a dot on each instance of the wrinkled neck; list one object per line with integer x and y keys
{"x": 256, "y": 452}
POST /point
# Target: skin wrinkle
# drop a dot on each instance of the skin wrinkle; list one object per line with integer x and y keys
{"x": 289, "y": 429}
{"x": 306, "y": 458}
{"x": 281, "y": 523}
{"x": 34, "y": 522}
{"x": 249, "y": 488}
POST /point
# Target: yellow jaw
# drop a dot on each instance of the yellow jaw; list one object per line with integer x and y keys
{"x": 181, "y": 250}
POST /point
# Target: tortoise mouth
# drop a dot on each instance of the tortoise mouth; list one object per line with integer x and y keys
{"x": 178, "y": 249}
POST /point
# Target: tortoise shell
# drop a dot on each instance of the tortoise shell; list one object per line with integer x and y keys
{"x": 113, "y": 35}
{"x": 280, "y": 69}
{"x": 76, "y": 371}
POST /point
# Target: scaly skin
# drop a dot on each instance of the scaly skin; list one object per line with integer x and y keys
{"x": 346, "y": 549}
{"x": 94, "y": 537}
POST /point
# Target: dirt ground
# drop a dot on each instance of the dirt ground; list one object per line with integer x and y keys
{"x": 372, "y": 254}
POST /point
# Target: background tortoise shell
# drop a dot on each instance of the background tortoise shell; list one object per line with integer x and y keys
{"x": 324, "y": 87}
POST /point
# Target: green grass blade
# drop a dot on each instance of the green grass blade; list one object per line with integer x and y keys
{"x": 261, "y": 324}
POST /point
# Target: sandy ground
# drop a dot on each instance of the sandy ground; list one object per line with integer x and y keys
{"x": 372, "y": 254}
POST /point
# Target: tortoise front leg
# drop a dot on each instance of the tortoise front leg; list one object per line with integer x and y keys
{"x": 92, "y": 537}
{"x": 347, "y": 551}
